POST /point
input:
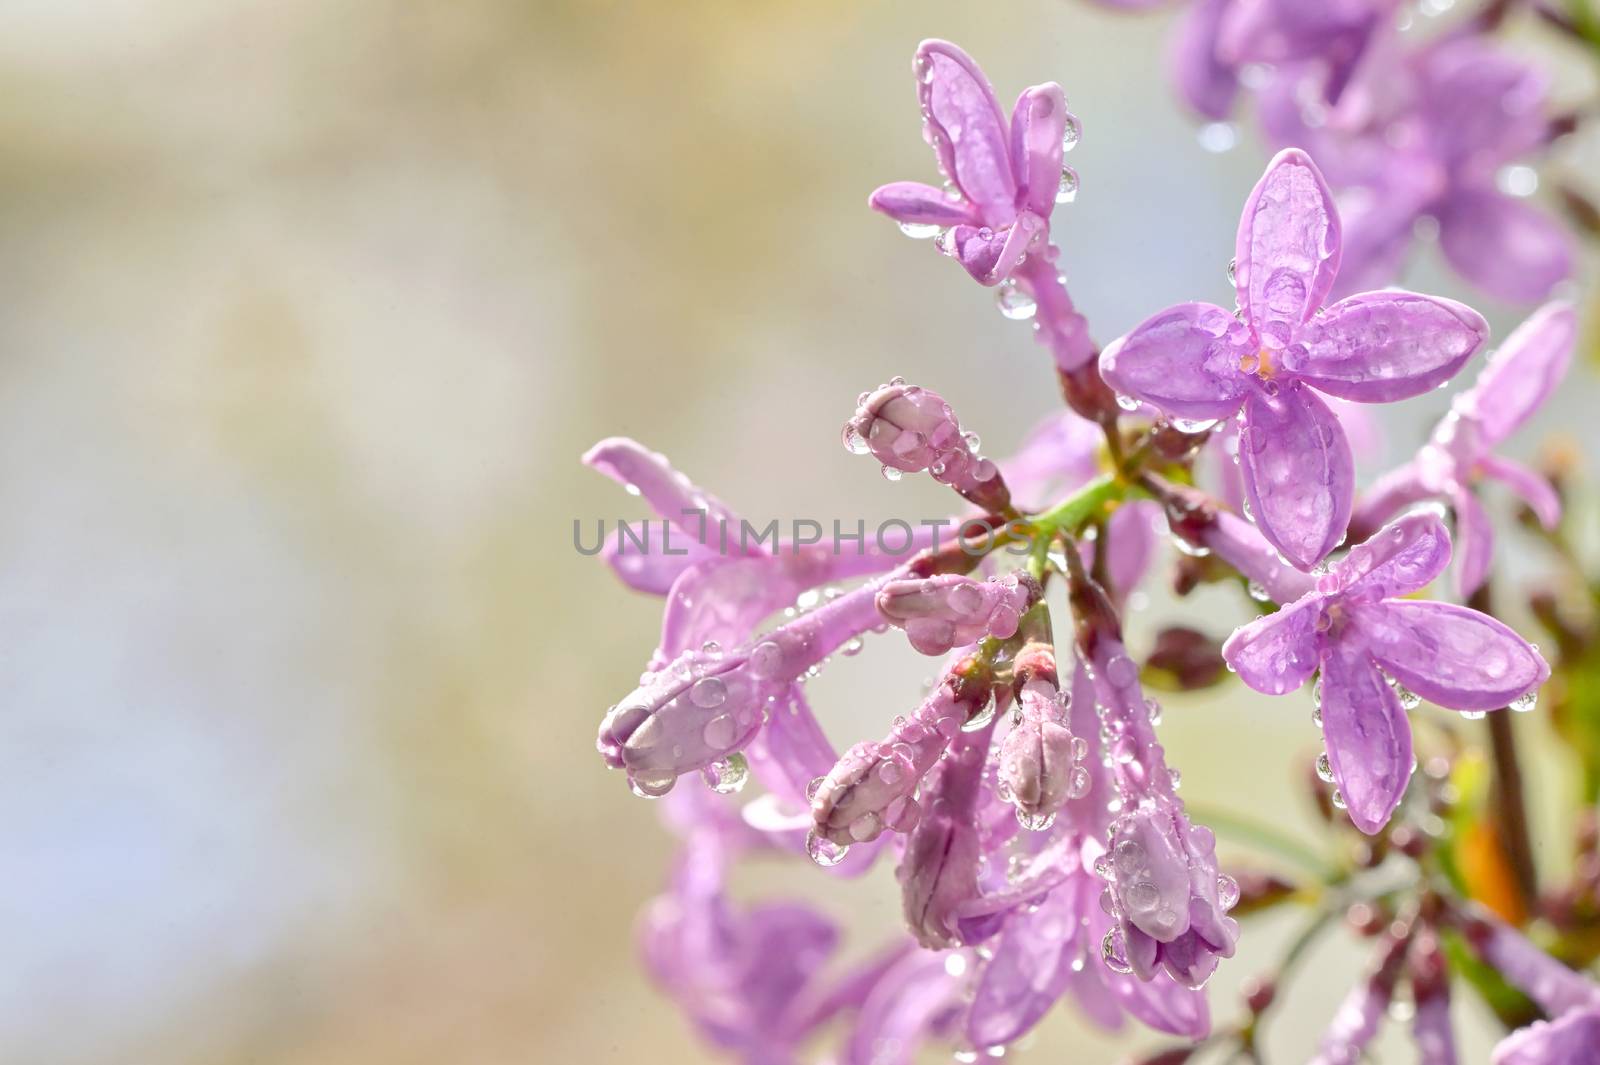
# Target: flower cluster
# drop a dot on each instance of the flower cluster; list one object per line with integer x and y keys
{"x": 1042, "y": 849}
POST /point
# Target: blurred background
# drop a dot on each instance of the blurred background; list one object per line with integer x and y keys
{"x": 307, "y": 311}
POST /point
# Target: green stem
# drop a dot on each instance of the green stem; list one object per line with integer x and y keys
{"x": 1072, "y": 513}
{"x": 1265, "y": 837}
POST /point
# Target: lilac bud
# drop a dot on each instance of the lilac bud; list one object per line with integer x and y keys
{"x": 707, "y": 704}
{"x": 1041, "y": 761}
{"x": 939, "y": 871}
{"x": 873, "y": 786}
{"x": 947, "y": 611}
{"x": 911, "y": 429}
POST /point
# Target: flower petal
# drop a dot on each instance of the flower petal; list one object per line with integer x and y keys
{"x": 1287, "y": 252}
{"x": 965, "y": 127}
{"x": 1482, "y": 105}
{"x": 1368, "y": 737}
{"x": 1529, "y": 484}
{"x": 1510, "y": 250}
{"x": 1523, "y": 373}
{"x": 1204, "y": 82}
{"x": 671, "y": 494}
{"x": 1475, "y": 535}
{"x": 1573, "y": 1039}
{"x": 917, "y": 204}
{"x": 1028, "y": 972}
{"x": 900, "y": 1012}
{"x": 1299, "y": 476}
{"x": 1037, "y": 124}
{"x": 1449, "y": 654}
{"x": 1277, "y": 653}
{"x": 1184, "y": 360}
{"x": 1398, "y": 559}
{"x": 1382, "y": 346}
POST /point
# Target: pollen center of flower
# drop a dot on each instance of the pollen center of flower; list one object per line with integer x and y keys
{"x": 1259, "y": 363}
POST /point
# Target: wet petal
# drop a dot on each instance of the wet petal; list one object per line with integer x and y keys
{"x": 965, "y": 127}
{"x": 1037, "y": 124}
{"x": 1028, "y": 972}
{"x": 1528, "y": 484}
{"x": 917, "y": 204}
{"x": 1288, "y": 246}
{"x": 1483, "y": 106}
{"x": 1184, "y": 360}
{"x": 1277, "y": 653}
{"x": 1382, "y": 346}
{"x": 1572, "y": 1040}
{"x": 1368, "y": 737}
{"x": 1398, "y": 559}
{"x": 901, "y": 1011}
{"x": 1523, "y": 373}
{"x": 1449, "y": 654}
{"x": 1511, "y": 250}
{"x": 1299, "y": 476}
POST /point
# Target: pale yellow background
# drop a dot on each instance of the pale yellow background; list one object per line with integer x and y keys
{"x": 307, "y": 310}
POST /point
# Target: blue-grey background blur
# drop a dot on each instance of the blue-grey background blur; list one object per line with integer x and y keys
{"x": 307, "y": 310}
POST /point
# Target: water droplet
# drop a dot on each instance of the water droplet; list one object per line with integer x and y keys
{"x": 977, "y": 721}
{"x": 1071, "y": 134}
{"x": 1233, "y": 270}
{"x": 1114, "y": 953}
{"x": 1474, "y": 715}
{"x": 1175, "y": 778}
{"x": 1338, "y": 799}
{"x": 1015, "y": 302}
{"x": 651, "y": 785}
{"x": 1035, "y": 822}
{"x": 824, "y": 851}
{"x": 1324, "y": 768}
{"x": 890, "y": 473}
{"x": 727, "y": 776}
{"x": 854, "y": 442}
{"x": 921, "y": 230}
{"x": 720, "y": 732}
{"x": 1526, "y": 701}
{"x": 1257, "y": 592}
{"x": 852, "y": 647}
{"x": 1127, "y": 403}
{"x": 1078, "y": 786}
{"x": 631, "y": 488}
{"x": 974, "y": 443}
{"x": 814, "y": 787}
{"x": 1409, "y": 700}
{"x": 708, "y": 693}
{"x": 922, "y": 67}
{"x": 1227, "y": 891}
{"x": 1067, "y": 187}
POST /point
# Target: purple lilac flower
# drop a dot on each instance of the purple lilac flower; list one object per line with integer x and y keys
{"x": 1571, "y": 1040}
{"x": 1362, "y": 1011}
{"x": 1164, "y": 892}
{"x": 1005, "y": 179}
{"x": 1354, "y": 628}
{"x": 1425, "y": 133}
{"x": 1519, "y": 377}
{"x": 1324, "y": 40}
{"x": 1430, "y": 992}
{"x": 1198, "y": 363}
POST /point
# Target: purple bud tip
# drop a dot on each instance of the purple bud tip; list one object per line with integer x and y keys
{"x": 947, "y": 611}
{"x": 911, "y": 429}
{"x": 1041, "y": 761}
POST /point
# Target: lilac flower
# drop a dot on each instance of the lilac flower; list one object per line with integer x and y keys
{"x": 911, "y": 429}
{"x": 1556, "y": 989}
{"x": 1039, "y": 916}
{"x": 1362, "y": 1011}
{"x": 1425, "y": 134}
{"x": 1324, "y": 40}
{"x": 706, "y": 704}
{"x": 1430, "y": 991}
{"x": 1353, "y": 628}
{"x": 949, "y": 610}
{"x": 1519, "y": 377}
{"x": 1005, "y": 179}
{"x": 1571, "y": 1040}
{"x": 939, "y": 869}
{"x": 1165, "y": 894}
{"x": 1198, "y": 363}
{"x": 873, "y": 786}
{"x": 1202, "y": 526}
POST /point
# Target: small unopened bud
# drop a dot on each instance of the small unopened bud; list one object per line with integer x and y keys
{"x": 911, "y": 429}
{"x": 1041, "y": 761}
{"x": 1184, "y": 659}
{"x": 947, "y": 611}
{"x": 1259, "y": 993}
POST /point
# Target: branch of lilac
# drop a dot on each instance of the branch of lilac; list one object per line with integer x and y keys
{"x": 1042, "y": 848}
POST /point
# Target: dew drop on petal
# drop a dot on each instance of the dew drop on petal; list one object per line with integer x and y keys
{"x": 1526, "y": 701}
{"x": 1114, "y": 953}
{"x": 921, "y": 230}
{"x": 890, "y": 473}
{"x": 1227, "y": 891}
{"x": 1071, "y": 134}
{"x": 1324, "y": 768}
{"x": 1067, "y": 187}
{"x": 708, "y": 693}
{"x": 1035, "y": 822}
{"x": 651, "y": 786}
{"x": 1015, "y": 302}
{"x": 727, "y": 776}
{"x": 824, "y": 851}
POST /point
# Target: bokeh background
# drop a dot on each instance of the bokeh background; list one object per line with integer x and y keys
{"x": 307, "y": 310}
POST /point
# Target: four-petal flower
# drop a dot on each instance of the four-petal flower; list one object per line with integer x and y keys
{"x": 1199, "y": 363}
{"x": 1354, "y": 627}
